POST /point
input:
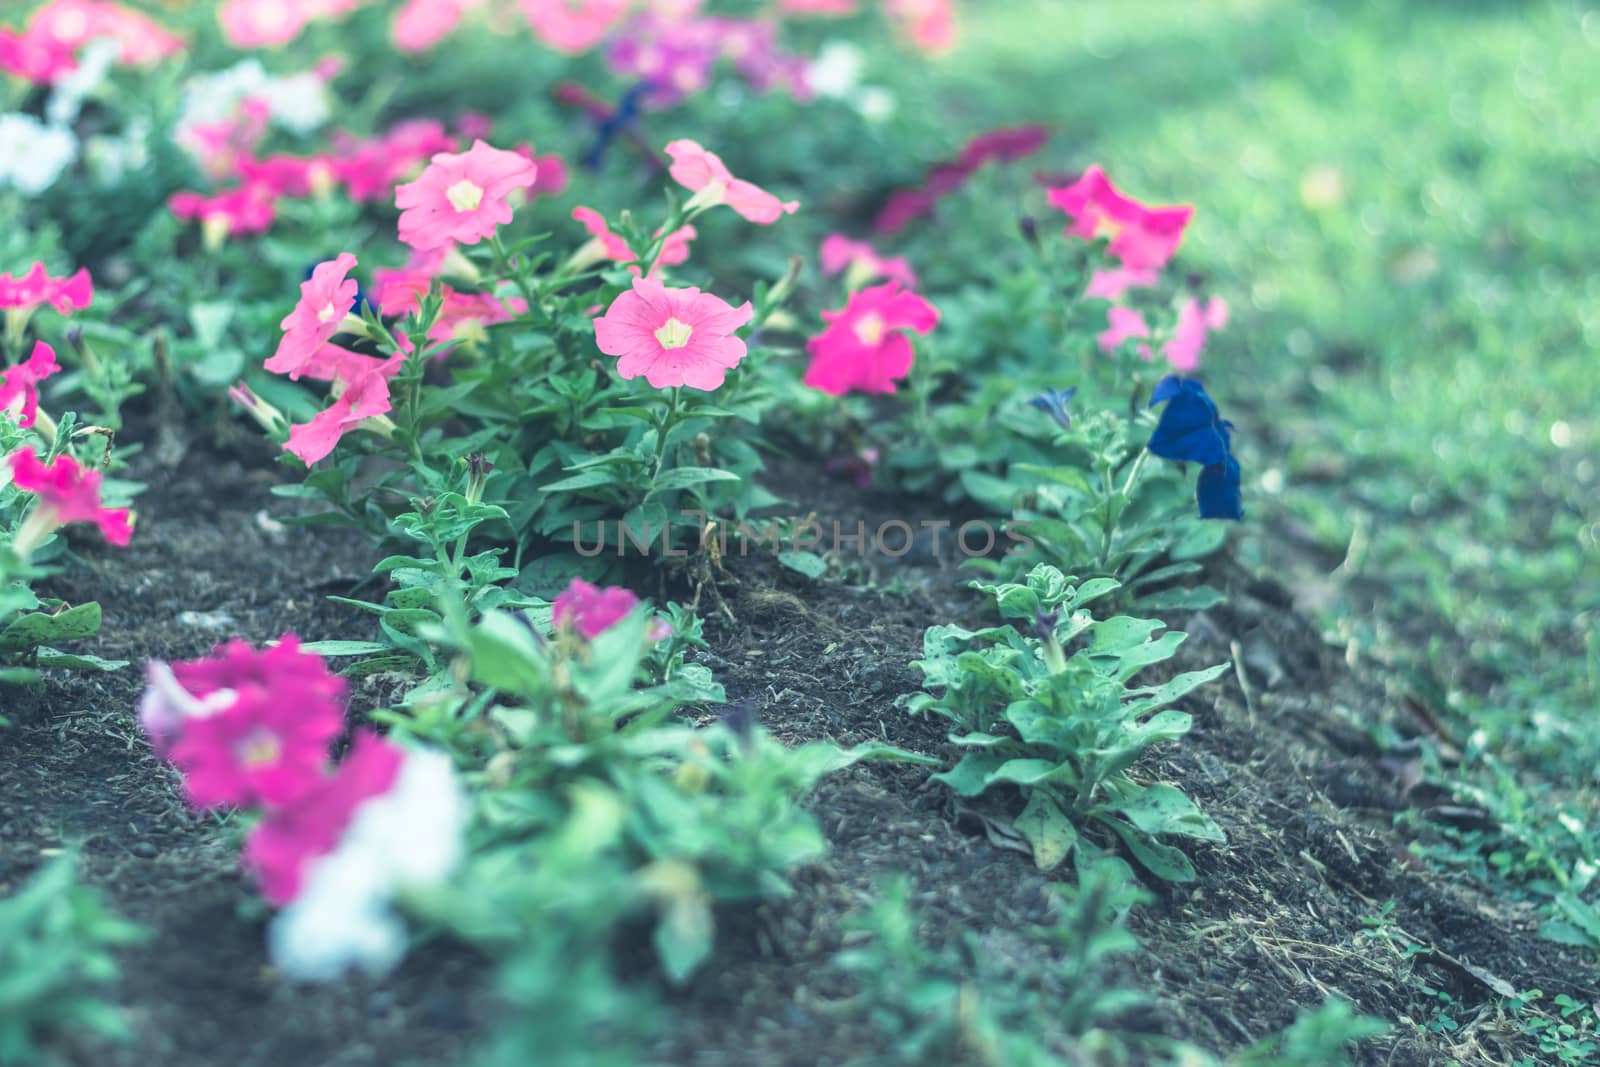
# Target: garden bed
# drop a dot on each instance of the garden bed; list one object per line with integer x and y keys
{"x": 1280, "y": 919}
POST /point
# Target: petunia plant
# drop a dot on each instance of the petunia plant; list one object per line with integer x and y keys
{"x": 1042, "y": 705}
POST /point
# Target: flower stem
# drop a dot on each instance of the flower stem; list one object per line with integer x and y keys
{"x": 668, "y": 418}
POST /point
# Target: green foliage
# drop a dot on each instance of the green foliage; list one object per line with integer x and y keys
{"x": 1065, "y": 731}
{"x": 56, "y": 939}
{"x": 1102, "y": 509}
{"x": 1319, "y": 1038}
{"x": 711, "y": 813}
{"x": 960, "y": 1004}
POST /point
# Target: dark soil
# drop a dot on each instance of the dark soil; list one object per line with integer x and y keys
{"x": 1281, "y": 757}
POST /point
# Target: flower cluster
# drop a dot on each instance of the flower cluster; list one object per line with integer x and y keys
{"x": 335, "y": 843}
{"x": 1192, "y": 431}
{"x": 48, "y": 46}
{"x": 1142, "y": 240}
{"x": 675, "y": 56}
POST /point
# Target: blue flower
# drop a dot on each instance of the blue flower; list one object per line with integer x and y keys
{"x": 1191, "y": 430}
{"x": 1218, "y": 491}
{"x": 1053, "y": 402}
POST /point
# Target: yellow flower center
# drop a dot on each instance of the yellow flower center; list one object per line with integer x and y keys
{"x": 260, "y": 749}
{"x": 1106, "y": 227}
{"x": 870, "y": 329}
{"x": 465, "y": 195}
{"x": 674, "y": 334}
{"x": 327, "y": 313}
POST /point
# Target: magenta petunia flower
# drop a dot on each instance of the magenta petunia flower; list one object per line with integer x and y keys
{"x": 704, "y": 174}
{"x": 369, "y": 169}
{"x": 249, "y": 208}
{"x": 864, "y": 347}
{"x": 461, "y": 197}
{"x": 67, "y": 492}
{"x": 325, "y": 299}
{"x": 269, "y": 745}
{"x": 674, "y": 250}
{"x": 66, "y": 295}
{"x": 1142, "y": 237}
{"x": 590, "y": 610}
{"x": 573, "y": 25}
{"x": 283, "y": 846}
{"x": 19, "y": 386}
{"x": 839, "y": 253}
{"x": 672, "y": 336}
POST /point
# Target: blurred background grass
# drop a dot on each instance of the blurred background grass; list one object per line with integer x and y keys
{"x": 1401, "y": 202}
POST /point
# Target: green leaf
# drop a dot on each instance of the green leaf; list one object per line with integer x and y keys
{"x": 686, "y": 477}
{"x": 1094, "y": 589}
{"x": 1165, "y": 862}
{"x": 38, "y": 628}
{"x": 335, "y": 649}
{"x": 684, "y": 934}
{"x": 50, "y": 657}
{"x": 807, "y": 563}
{"x": 970, "y": 776}
{"x": 209, "y": 319}
{"x": 1151, "y": 697}
{"x": 1165, "y": 809}
{"x": 1198, "y": 598}
{"x": 1047, "y": 828}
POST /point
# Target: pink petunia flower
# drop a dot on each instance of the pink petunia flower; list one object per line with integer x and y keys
{"x": 704, "y": 174}
{"x": 66, "y": 295}
{"x": 864, "y": 347}
{"x": 282, "y": 847}
{"x": 1142, "y": 237}
{"x": 928, "y": 24}
{"x": 34, "y": 57}
{"x": 1110, "y": 283}
{"x": 68, "y": 25}
{"x": 1123, "y": 323}
{"x": 672, "y": 336}
{"x": 325, "y": 299}
{"x": 1195, "y": 322}
{"x": 461, "y": 197}
{"x": 19, "y": 386}
{"x": 67, "y": 492}
{"x": 462, "y": 316}
{"x": 817, "y": 7}
{"x": 590, "y": 610}
{"x": 573, "y": 25}
{"x": 365, "y": 395}
{"x": 421, "y": 24}
{"x": 674, "y": 250}
{"x": 840, "y": 253}
{"x": 269, "y": 745}
{"x": 263, "y": 23}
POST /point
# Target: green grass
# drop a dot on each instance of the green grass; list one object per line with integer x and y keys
{"x": 1414, "y": 361}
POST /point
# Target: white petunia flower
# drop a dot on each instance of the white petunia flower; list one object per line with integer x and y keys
{"x": 33, "y": 155}
{"x": 407, "y": 838}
